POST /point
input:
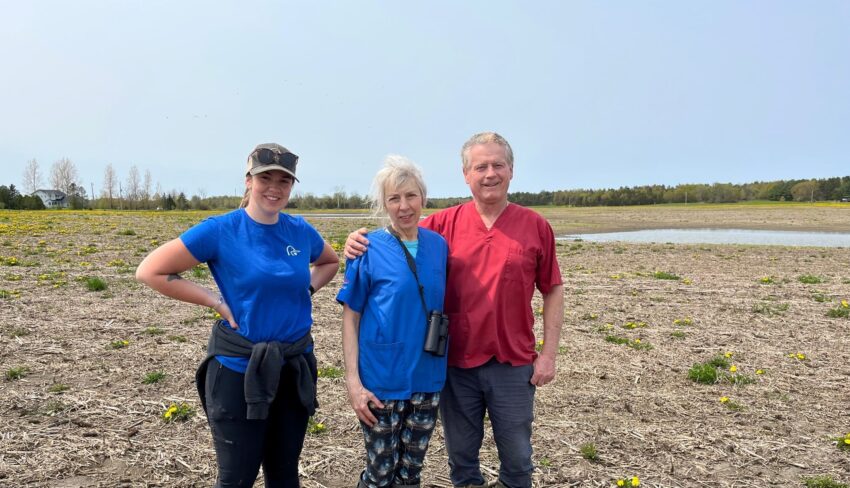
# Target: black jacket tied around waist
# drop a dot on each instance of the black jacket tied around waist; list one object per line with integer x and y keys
{"x": 266, "y": 360}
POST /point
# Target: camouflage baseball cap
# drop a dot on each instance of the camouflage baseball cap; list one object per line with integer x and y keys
{"x": 271, "y": 156}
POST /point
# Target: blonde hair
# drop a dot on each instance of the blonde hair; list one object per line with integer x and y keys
{"x": 397, "y": 171}
{"x": 486, "y": 138}
{"x": 246, "y": 198}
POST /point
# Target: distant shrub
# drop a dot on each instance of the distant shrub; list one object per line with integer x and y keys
{"x": 58, "y": 388}
{"x": 703, "y": 373}
{"x": 178, "y": 413}
{"x": 810, "y": 279}
{"x": 95, "y": 284}
{"x": 839, "y": 313}
{"x": 822, "y": 482}
{"x": 663, "y": 275}
{"x": 153, "y": 377}
{"x": 16, "y": 373}
{"x": 588, "y": 451}
{"x": 330, "y": 372}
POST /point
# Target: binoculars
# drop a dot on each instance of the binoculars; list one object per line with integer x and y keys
{"x": 437, "y": 334}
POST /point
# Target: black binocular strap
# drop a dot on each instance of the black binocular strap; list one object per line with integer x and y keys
{"x": 411, "y": 263}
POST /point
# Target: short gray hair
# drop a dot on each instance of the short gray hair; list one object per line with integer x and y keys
{"x": 397, "y": 171}
{"x": 486, "y": 138}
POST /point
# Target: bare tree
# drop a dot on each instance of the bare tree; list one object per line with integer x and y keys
{"x": 32, "y": 176}
{"x": 158, "y": 195}
{"x": 62, "y": 174}
{"x": 110, "y": 181}
{"x": 146, "y": 188}
{"x": 133, "y": 186}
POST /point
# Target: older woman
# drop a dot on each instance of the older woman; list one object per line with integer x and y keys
{"x": 257, "y": 383}
{"x": 393, "y": 299}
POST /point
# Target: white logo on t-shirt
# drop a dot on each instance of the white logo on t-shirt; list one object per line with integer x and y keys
{"x": 291, "y": 251}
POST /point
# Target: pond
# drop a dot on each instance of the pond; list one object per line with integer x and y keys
{"x": 309, "y": 215}
{"x": 722, "y": 236}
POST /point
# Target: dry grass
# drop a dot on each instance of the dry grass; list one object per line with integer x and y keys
{"x": 637, "y": 407}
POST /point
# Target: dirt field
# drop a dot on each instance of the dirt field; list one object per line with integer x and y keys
{"x": 76, "y": 412}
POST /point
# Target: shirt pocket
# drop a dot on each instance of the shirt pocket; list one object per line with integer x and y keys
{"x": 381, "y": 366}
{"x": 520, "y": 265}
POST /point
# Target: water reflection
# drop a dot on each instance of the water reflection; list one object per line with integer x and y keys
{"x": 722, "y": 236}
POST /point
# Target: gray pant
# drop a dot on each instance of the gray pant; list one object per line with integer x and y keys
{"x": 505, "y": 393}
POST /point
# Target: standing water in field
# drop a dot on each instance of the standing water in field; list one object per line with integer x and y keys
{"x": 722, "y": 236}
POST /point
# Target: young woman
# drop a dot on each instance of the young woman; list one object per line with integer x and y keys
{"x": 258, "y": 383}
{"x": 389, "y": 295}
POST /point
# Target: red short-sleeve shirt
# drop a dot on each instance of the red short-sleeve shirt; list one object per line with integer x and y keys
{"x": 491, "y": 279}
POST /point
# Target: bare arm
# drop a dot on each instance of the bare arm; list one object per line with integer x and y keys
{"x": 325, "y": 268}
{"x": 358, "y": 396}
{"x": 553, "y": 320}
{"x": 356, "y": 244}
{"x": 161, "y": 270}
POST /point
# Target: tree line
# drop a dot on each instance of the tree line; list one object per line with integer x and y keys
{"x": 138, "y": 192}
{"x": 827, "y": 189}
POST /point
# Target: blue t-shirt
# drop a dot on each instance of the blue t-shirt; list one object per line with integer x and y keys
{"x": 262, "y": 271}
{"x": 381, "y": 288}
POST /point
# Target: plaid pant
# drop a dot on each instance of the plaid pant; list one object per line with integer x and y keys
{"x": 396, "y": 444}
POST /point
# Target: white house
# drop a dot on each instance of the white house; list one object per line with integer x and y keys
{"x": 52, "y": 198}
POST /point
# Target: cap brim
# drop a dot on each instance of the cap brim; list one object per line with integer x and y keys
{"x": 271, "y": 167}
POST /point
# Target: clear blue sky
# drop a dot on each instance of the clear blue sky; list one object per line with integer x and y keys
{"x": 590, "y": 94}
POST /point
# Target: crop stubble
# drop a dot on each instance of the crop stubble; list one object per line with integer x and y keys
{"x": 637, "y": 407}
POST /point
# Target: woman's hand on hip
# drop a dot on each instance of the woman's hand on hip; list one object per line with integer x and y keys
{"x": 224, "y": 310}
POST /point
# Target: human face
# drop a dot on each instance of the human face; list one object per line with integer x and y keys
{"x": 488, "y": 174}
{"x": 404, "y": 206}
{"x": 269, "y": 190}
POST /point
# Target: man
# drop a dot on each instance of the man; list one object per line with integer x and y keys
{"x": 498, "y": 253}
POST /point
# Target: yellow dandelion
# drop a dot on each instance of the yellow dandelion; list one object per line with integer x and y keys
{"x": 733, "y": 368}
{"x": 724, "y": 399}
{"x": 687, "y": 281}
{"x": 847, "y": 440}
{"x": 540, "y": 342}
{"x": 845, "y": 304}
{"x": 637, "y": 341}
{"x": 759, "y": 371}
{"x": 728, "y": 354}
{"x": 167, "y": 414}
{"x": 801, "y": 356}
{"x": 635, "y": 481}
{"x": 621, "y": 482}
{"x": 791, "y": 355}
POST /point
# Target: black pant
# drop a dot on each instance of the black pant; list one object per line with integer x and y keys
{"x": 241, "y": 445}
